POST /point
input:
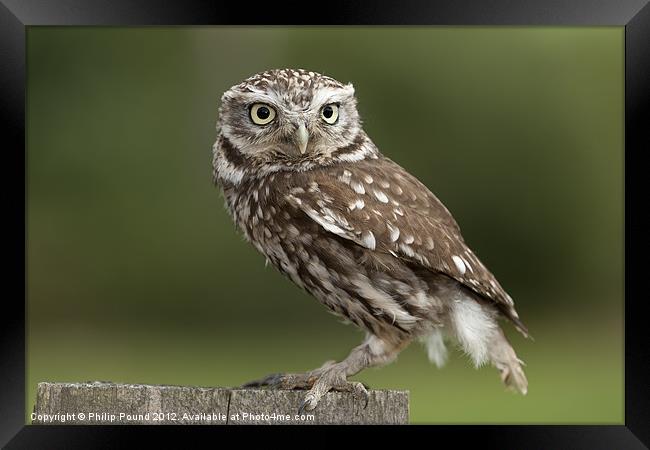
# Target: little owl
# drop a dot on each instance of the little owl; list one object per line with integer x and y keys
{"x": 308, "y": 188}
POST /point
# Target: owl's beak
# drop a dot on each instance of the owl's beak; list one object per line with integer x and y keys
{"x": 302, "y": 138}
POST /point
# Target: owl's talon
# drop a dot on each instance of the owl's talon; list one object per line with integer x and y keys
{"x": 361, "y": 393}
{"x": 308, "y": 404}
{"x": 301, "y": 381}
{"x": 271, "y": 380}
{"x": 357, "y": 389}
{"x": 333, "y": 380}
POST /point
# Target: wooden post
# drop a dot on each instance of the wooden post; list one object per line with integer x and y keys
{"x": 103, "y": 403}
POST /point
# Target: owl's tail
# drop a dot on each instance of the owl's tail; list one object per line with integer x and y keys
{"x": 504, "y": 358}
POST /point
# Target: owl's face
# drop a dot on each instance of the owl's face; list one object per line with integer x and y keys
{"x": 289, "y": 115}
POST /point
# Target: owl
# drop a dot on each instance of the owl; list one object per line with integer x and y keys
{"x": 309, "y": 189}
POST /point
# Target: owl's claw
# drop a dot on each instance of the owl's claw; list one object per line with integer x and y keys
{"x": 361, "y": 393}
{"x": 358, "y": 390}
{"x": 290, "y": 380}
{"x": 308, "y": 403}
{"x": 321, "y": 387}
{"x": 282, "y": 381}
{"x": 268, "y": 380}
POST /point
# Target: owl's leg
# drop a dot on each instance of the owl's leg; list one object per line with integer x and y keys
{"x": 373, "y": 351}
{"x": 504, "y": 358}
{"x": 476, "y": 329}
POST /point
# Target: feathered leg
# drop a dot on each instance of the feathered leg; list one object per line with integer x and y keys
{"x": 374, "y": 351}
{"x": 476, "y": 329}
{"x": 504, "y": 358}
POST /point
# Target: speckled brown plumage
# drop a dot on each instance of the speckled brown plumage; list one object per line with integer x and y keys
{"x": 313, "y": 194}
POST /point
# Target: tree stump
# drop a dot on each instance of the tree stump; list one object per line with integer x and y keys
{"x": 104, "y": 403}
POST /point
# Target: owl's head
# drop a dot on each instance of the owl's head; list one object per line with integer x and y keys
{"x": 290, "y": 116}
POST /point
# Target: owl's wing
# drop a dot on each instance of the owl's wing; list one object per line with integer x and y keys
{"x": 379, "y": 205}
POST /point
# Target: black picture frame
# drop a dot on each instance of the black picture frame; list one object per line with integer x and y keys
{"x": 16, "y": 15}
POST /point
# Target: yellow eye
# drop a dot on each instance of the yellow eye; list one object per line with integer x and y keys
{"x": 330, "y": 113}
{"x": 261, "y": 114}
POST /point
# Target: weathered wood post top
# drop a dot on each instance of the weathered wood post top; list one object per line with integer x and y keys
{"x": 103, "y": 403}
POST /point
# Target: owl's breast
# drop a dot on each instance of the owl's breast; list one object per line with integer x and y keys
{"x": 259, "y": 212}
{"x": 283, "y": 234}
{"x": 251, "y": 208}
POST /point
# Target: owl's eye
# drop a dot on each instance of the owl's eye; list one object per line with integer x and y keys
{"x": 261, "y": 113}
{"x": 330, "y": 113}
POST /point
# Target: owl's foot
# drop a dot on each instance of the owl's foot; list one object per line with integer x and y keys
{"x": 290, "y": 380}
{"x": 283, "y": 381}
{"x": 333, "y": 379}
{"x": 333, "y": 376}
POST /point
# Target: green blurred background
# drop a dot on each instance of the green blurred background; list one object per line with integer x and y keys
{"x": 136, "y": 274}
